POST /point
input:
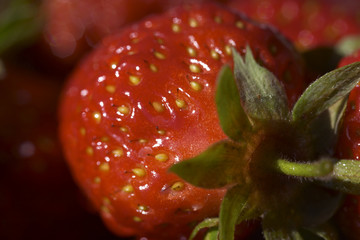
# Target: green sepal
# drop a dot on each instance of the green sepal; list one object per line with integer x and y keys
{"x": 345, "y": 177}
{"x": 20, "y": 22}
{"x": 206, "y": 223}
{"x": 324, "y": 92}
{"x": 220, "y": 165}
{"x": 235, "y": 208}
{"x": 262, "y": 95}
{"x": 348, "y": 45}
{"x": 233, "y": 119}
{"x": 212, "y": 234}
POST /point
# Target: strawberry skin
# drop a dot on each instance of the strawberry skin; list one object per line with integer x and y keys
{"x": 144, "y": 100}
{"x": 348, "y": 148}
{"x": 308, "y": 23}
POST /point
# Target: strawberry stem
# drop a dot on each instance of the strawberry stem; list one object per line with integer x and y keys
{"x": 319, "y": 168}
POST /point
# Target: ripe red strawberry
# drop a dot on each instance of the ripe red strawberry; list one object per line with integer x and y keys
{"x": 308, "y": 23}
{"x": 144, "y": 100}
{"x": 348, "y": 148}
{"x": 74, "y": 26}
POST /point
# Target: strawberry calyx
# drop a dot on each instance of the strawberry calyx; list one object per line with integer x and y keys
{"x": 277, "y": 162}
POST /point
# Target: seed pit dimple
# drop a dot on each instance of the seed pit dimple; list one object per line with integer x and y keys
{"x": 193, "y": 23}
{"x": 195, "y": 86}
{"x": 104, "y": 167}
{"x": 162, "y": 157}
{"x": 178, "y": 186}
{"x": 159, "y": 55}
{"x": 110, "y": 88}
{"x": 158, "y": 106}
{"x": 180, "y": 103}
{"x": 175, "y": 28}
{"x": 124, "y": 110}
{"x": 194, "y": 68}
{"x": 134, "y": 80}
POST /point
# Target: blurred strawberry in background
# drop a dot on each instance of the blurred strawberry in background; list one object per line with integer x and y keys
{"x": 308, "y": 23}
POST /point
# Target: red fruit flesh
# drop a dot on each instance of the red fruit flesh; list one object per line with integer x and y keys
{"x": 144, "y": 100}
{"x": 308, "y": 23}
{"x": 348, "y": 147}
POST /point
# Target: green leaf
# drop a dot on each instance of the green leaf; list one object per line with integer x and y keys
{"x": 348, "y": 45}
{"x": 233, "y": 119}
{"x": 221, "y": 164}
{"x": 20, "y": 22}
{"x": 262, "y": 95}
{"x": 235, "y": 208}
{"x": 345, "y": 177}
{"x": 207, "y": 223}
{"x": 325, "y": 92}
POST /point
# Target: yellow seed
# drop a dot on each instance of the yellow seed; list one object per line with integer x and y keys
{"x": 89, "y": 151}
{"x": 162, "y": 157}
{"x": 159, "y": 55}
{"x": 106, "y": 201}
{"x": 180, "y": 103}
{"x": 191, "y": 51}
{"x": 143, "y": 208}
{"x": 214, "y": 54}
{"x": 135, "y": 80}
{"x": 176, "y": 28}
{"x": 160, "y": 41}
{"x": 194, "y": 68}
{"x": 139, "y": 172}
{"x": 124, "y": 129}
{"x": 218, "y": 19}
{"x": 110, "y": 88}
{"x": 158, "y": 106}
{"x": 178, "y": 186}
{"x": 82, "y": 131}
{"x": 135, "y": 40}
{"x": 153, "y": 68}
{"x": 137, "y": 219}
{"x": 143, "y": 140}
{"x": 193, "y": 22}
{"x": 240, "y": 24}
{"x": 195, "y": 86}
{"x": 104, "y": 167}
{"x": 105, "y": 209}
{"x": 227, "y": 49}
{"x": 124, "y": 109}
{"x": 161, "y": 132}
{"x": 131, "y": 53}
{"x": 97, "y": 180}
{"x": 117, "y": 152}
{"x": 97, "y": 117}
{"x": 128, "y": 188}
{"x": 104, "y": 139}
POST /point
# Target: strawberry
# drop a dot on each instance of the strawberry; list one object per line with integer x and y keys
{"x": 348, "y": 147}
{"x": 72, "y": 27}
{"x": 144, "y": 100}
{"x": 308, "y": 23}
